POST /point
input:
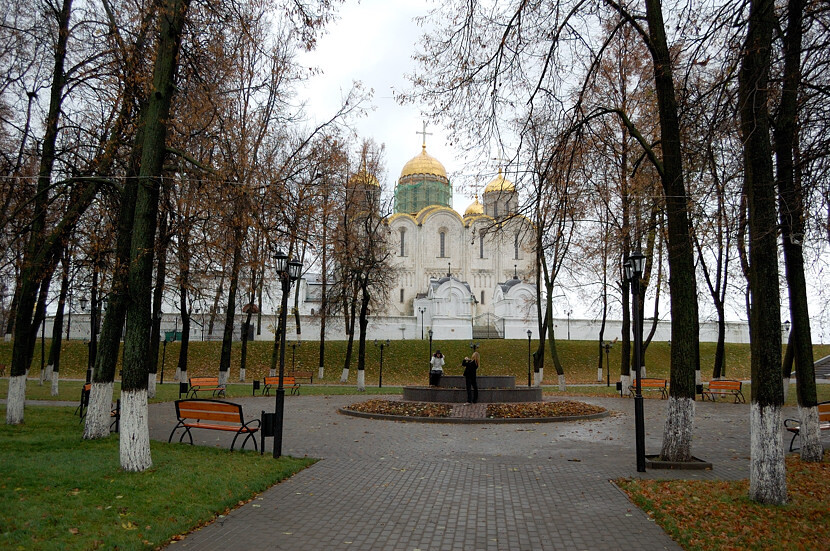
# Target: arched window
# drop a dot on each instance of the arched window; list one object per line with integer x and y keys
{"x": 443, "y": 238}
{"x": 403, "y": 242}
{"x": 482, "y": 297}
{"x": 516, "y": 247}
{"x": 496, "y": 209}
{"x": 401, "y": 295}
{"x": 481, "y": 245}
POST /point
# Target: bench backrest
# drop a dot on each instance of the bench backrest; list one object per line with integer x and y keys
{"x": 650, "y": 382}
{"x": 724, "y": 385}
{"x": 209, "y": 410}
{"x": 204, "y": 381}
{"x": 274, "y": 381}
{"x": 824, "y": 411}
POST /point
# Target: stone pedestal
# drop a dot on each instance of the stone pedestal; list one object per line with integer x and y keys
{"x": 491, "y": 389}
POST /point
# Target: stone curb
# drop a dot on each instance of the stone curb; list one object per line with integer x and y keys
{"x": 467, "y": 420}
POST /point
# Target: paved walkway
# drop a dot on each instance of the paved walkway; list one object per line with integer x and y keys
{"x": 423, "y": 486}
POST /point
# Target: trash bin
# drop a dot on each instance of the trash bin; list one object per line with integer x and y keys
{"x": 434, "y": 377}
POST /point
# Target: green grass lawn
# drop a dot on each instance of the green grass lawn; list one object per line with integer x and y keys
{"x": 407, "y": 362}
{"x": 61, "y": 492}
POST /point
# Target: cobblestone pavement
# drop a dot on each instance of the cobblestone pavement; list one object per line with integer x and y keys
{"x": 424, "y": 486}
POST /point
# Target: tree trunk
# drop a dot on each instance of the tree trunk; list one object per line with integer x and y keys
{"x": 791, "y": 202}
{"x": 135, "y": 436}
{"x": 35, "y": 263}
{"x": 158, "y": 295}
{"x": 361, "y": 344}
{"x": 227, "y": 337}
{"x": 767, "y": 480}
{"x": 53, "y": 365}
{"x": 683, "y": 293}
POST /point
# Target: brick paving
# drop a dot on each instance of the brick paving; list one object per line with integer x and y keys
{"x": 424, "y": 486}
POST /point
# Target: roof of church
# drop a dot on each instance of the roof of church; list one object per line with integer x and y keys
{"x": 474, "y": 208}
{"x": 423, "y": 163}
{"x": 499, "y": 183}
{"x": 363, "y": 177}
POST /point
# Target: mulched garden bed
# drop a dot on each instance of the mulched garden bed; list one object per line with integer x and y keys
{"x": 523, "y": 410}
{"x": 408, "y": 409}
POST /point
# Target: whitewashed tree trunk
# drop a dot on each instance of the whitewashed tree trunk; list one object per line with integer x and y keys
{"x": 55, "y": 380}
{"x": 767, "y": 473}
{"x": 16, "y": 400}
{"x": 151, "y": 385}
{"x": 698, "y": 380}
{"x": 810, "y": 434}
{"x": 46, "y": 374}
{"x": 97, "y": 422}
{"x": 272, "y": 372}
{"x": 178, "y": 377}
{"x": 8, "y": 337}
{"x": 223, "y": 377}
{"x": 599, "y": 374}
{"x": 345, "y": 375}
{"x": 643, "y": 372}
{"x": 677, "y": 436}
{"x": 562, "y": 383}
{"x": 361, "y": 380}
{"x": 626, "y": 382}
{"x": 135, "y": 432}
{"x": 320, "y": 371}
{"x": 786, "y": 385}
{"x": 242, "y": 375}
{"x": 539, "y": 376}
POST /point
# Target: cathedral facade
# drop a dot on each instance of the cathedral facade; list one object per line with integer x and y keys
{"x": 455, "y": 275}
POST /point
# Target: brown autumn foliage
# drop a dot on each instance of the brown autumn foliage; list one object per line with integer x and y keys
{"x": 525, "y": 410}
{"x": 710, "y": 514}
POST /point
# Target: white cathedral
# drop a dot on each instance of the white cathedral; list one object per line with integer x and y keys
{"x": 461, "y": 277}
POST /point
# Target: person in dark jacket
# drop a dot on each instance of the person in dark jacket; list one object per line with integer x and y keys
{"x": 470, "y": 366}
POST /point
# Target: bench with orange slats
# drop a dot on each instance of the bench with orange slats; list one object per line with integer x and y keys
{"x": 213, "y": 415}
{"x": 724, "y": 387}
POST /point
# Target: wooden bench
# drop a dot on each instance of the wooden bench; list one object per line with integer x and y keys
{"x": 303, "y": 375}
{"x": 213, "y": 415}
{"x": 724, "y": 388}
{"x": 273, "y": 382}
{"x": 115, "y": 411}
{"x": 794, "y": 425}
{"x": 658, "y": 385}
{"x": 202, "y": 384}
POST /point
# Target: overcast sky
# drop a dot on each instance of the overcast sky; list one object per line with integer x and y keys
{"x": 373, "y": 42}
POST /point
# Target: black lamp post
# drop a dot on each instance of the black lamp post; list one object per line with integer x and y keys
{"x": 634, "y": 266}
{"x": 529, "y": 335}
{"x": 287, "y": 271}
{"x": 430, "y": 342}
{"x": 294, "y": 345}
{"x": 381, "y": 345}
{"x": 422, "y": 310}
{"x": 569, "y": 312}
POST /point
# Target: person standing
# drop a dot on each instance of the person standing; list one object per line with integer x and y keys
{"x": 436, "y": 368}
{"x": 470, "y": 368}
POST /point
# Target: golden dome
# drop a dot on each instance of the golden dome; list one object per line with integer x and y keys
{"x": 362, "y": 177}
{"x": 424, "y": 164}
{"x": 499, "y": 183}
{"x": 474, "y": 208}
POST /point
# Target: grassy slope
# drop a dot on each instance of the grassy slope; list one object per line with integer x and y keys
{"x": 407, "y": 362}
